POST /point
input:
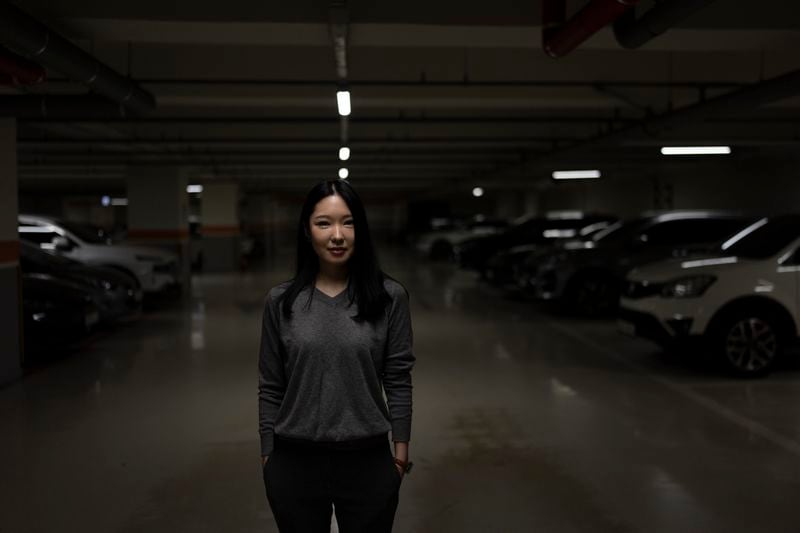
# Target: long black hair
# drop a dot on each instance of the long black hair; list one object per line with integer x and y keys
{"x": 365, "y": 285}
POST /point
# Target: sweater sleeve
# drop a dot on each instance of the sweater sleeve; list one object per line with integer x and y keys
{"x": 271, "y": 376}
{"x": 397, "y": 367}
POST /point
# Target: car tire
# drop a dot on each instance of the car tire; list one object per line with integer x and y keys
{"x": 749, "y": 342}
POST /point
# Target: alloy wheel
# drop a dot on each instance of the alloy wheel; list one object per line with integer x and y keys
{"x": 751, "y": 345}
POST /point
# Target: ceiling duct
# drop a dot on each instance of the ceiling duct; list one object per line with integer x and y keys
{"x": 27, "y": 36}
{"x": 63, "y": 107}
{"x": 560, "y": 36}
{"x": 633, "y": 33}
{"x": 16, "y": 70}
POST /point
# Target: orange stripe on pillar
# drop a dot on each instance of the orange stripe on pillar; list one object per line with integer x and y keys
{"x": 220, "y": 231}
{"x": 9, "y": 252}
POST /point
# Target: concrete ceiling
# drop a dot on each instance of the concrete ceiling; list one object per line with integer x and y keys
{"x": 442, "y": 93}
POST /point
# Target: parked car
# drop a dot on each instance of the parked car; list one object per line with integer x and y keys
{"x": 504, "y": 267}
{"x": 540, "y": 230}
{"x": 439, "y": 244}
{"x": 155, "y": 270}
{"x": 587, "y": 277}
{"x": 116, "y": 294}
{"x": 743, "y": 300}
{"x": 55, "y": 314}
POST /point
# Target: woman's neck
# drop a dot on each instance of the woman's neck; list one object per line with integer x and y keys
{"x": 335, "y": 276}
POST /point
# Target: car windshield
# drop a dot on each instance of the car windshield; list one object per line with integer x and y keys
{"x": 619, "y": 231}
{"x": 87, "y": 232}
{"x": 764, "y": 238}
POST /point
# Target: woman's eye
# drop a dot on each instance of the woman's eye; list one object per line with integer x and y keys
{"x": 348, "y": 222}
{"x": 322, "y": 224}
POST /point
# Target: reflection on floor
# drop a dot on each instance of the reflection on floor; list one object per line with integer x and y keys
{"x": 523, "y": 421}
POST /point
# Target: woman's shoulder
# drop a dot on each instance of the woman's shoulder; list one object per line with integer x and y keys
{"x": 394, "y": 288}
{"x": 275, "y": 292}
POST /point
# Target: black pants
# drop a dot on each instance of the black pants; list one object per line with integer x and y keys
{"x": 303, "y": 482}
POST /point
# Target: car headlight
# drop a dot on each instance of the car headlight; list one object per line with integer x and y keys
{"x": 688, "y": 287}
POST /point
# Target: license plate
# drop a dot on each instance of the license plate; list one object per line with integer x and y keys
{"x": 626, "y": 328}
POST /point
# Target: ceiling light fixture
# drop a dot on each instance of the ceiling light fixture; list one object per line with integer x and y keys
{"x": 194, "y": 189}
{"x": 343, "y": 173}
{"x": 343, "y": 101}
{"x": 344, "y": 153}
{"x": 477, "y": 192}
{"x": 576, "y": 174}
{"x": 695, "y": 150}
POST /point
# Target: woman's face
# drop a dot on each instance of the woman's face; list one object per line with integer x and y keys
{"x": 332, "y": 232}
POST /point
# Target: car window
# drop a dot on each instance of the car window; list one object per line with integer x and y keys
{"x": 764, "y": 238}
{"x": 37, "y": 234}
{"x": 690, "y": 231}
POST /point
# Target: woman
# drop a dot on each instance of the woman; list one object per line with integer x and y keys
{"x": 332, "y": 338}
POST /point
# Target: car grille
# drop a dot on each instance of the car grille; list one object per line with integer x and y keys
{"x": 642, "y": 289}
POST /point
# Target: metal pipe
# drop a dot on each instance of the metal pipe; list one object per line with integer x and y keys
{"x": 633, "y": 33}
{"x": 27, "y": 36}
{"x": 60, "y": 107}
{"x": 15, "y": 70}
{"x": 558, "y": 39}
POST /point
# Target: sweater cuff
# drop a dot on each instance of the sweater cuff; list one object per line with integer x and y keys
{"x": 401, "y": 430}
{"x": 267, "y": 444}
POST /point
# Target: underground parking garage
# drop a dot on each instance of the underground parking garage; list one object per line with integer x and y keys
{"x": 574, "y": 306}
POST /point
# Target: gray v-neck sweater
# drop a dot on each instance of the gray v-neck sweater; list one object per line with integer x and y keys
{"x": 322, "y": 375}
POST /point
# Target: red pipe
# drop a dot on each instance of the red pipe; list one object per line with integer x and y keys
{"x": 16, "y": 70}
{"x": 560, "y": 37}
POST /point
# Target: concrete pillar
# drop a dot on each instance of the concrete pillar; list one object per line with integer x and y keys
{"x": 530, "y": 203}
{"x": 10, "y": 276}
{"x": 507, "y": 204}
{"x": 258, "y": 219}
{"x": 158, "y": 213}
{"x": 220, "y": 227}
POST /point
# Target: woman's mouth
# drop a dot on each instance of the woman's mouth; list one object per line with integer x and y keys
{"x": 337, "y": 251}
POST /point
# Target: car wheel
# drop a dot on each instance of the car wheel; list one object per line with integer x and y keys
{"x": 593, "y": 295}
{"x": 749, "y": 343}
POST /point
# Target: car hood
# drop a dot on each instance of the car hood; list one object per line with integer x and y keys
{"x": 91, "y": 273}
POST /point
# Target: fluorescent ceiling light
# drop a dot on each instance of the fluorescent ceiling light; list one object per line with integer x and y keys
{"x": 343, "y": 101}
{"x": 343, "y": 173}
{"x": 196, "y": 189}
{"x": 105, "y": 201}
{"x": 344, "y": 153}
{"x": 695, "y": 150}
{"x": 576, "y": 174}
{"x": 119, "y": 201}
{"x": 477, "y": 192}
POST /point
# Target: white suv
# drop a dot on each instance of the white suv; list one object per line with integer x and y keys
{"x": 154, "y": 269}
{"x": 743, "y": 300}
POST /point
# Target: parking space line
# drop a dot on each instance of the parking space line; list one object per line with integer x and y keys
{"x": 754, "y": 427}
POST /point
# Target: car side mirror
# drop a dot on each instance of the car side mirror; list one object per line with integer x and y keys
{"x": 62, "y": 244}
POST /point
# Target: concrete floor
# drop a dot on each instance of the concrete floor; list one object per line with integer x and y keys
{"x": 523, "y": 421}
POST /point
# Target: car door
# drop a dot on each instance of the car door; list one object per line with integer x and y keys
{"x": 787, "y": 285}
